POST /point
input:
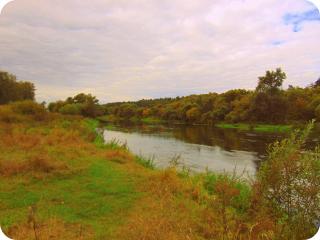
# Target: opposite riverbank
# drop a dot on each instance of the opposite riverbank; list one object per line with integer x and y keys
{"x": 258, "y": 127}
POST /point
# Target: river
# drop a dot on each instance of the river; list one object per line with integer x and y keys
{"x": 196, "y": 147}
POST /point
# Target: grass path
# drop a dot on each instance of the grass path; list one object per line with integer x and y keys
{"x": 99, "y": 196}
{"x": 95, "y": 192}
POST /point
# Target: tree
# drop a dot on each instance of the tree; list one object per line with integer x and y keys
{"x": 84, "y": 98}
{"x": 268, "y": 108}
{"x": 317, "y": 112}
{"x": 271, "y": 82}
{"x": 300, "y": 104}
{"x": 81, "y": 104}
{"x": 11, "y": 90}
{"x": 26, "y": 90}
{"x": 269, "y": 103}
{"x": 316, "y": 84}
{"x": 240, "y": 109}
{"x": 127, "y": 110}
{"x": 193, "y": 114}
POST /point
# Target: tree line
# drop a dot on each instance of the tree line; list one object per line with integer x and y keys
{"x": 269, "y": 102}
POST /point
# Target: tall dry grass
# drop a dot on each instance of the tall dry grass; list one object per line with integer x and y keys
{"x": 51, "y": 229}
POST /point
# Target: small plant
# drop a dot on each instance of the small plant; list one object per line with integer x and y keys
{"x": 116, "y": 144}
{"x": 146, "y": 162}
{"x": 32, "y": 220}
{"x": 175, "y": 161}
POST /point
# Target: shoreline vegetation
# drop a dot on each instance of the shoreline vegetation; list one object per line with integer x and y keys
{"x": 258, "y": 127}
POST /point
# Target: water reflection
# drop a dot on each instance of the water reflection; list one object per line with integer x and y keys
{"x": 199, "y": 147}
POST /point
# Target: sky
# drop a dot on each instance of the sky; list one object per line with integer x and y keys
{"x": 121, "y": 50}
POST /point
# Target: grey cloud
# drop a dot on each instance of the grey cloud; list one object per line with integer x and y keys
{"x": 125, "y": 50}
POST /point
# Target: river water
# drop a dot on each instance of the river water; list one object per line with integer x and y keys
{"x": 197, "y": 147}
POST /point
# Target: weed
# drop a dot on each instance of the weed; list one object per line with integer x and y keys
{"x": 146, "y": 162}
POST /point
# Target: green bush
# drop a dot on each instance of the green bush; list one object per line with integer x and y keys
{"x": 7, "y": 115}
{"x": 22, "y": 111}
{"x": 28, "y": 107}
{"x": 71, "y": 109}
{"x": 289, "y": 185}
{"x": 241, "y": 201}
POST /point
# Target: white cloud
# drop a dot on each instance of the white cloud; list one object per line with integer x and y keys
{"x": 125, "y": 50}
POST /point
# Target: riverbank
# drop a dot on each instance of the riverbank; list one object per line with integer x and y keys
{"x": 257, "y": 127}
{"x": 59, "y": 180}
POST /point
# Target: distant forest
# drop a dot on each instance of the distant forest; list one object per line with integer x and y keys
{"x": 268, "y": 103}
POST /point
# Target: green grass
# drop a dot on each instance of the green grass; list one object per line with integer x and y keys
{"x": 93, "y": 191}
{"x": 146, "y": 162}
{"x": 272, "y": 128}
{"x": 240, "y": 126}
{"x": 135, "y": 119}
{"x": 93, "y": 125}
{"x": 151, "y": 120}
{"x": 242, "y": 200}
{"x": 256, "y": 127}
{"x": 105, "y": 118}
{"x": 97, "y": 196}
{"x": 110, "y": 127}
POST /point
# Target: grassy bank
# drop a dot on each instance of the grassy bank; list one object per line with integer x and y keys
{"x": 62, "y": 171}
{"x": 113, "y": 119}
{"x": 256, "y": 127}
{"x": 59, "y": 180}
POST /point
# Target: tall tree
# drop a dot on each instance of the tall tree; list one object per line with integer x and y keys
{"x": 269, "y": 103}
{"x": 271, "y": 82}
{"x": 12, "y": 90}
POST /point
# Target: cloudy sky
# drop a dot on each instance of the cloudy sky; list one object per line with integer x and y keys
{"x": 132, "y": 49}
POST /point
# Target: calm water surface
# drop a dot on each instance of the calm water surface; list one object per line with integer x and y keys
{"x": 198, "y": 147}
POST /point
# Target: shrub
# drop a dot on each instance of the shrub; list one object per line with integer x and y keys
{"x": 289, "y": 185}
{"x": 27, "y": 107}
{"x": 7, "y": 115}
{"x": 31, "y": 108}
{"x": 71, "y": 109}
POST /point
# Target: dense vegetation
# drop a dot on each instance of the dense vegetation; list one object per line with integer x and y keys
{"x": 269, "y": 103}
{"x": 13, "y": 90}
{"x": 58, "y": 180}
{"x": 81, "y": 104}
